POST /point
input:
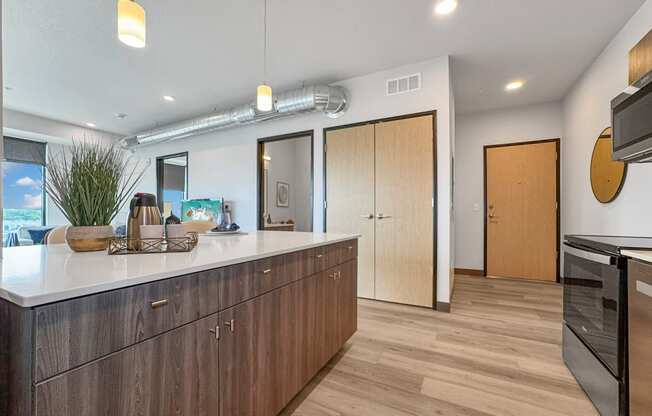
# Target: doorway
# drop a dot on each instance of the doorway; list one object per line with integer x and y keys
{"x": 285, "y": 182}
{"x": 171, "y": 183}
{"x": 522, "y": 210}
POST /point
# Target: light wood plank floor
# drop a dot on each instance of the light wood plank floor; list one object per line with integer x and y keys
{"x": 497, "y": 353}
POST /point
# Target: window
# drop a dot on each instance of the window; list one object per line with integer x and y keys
{"x": 23, "y": 173}
{"x": 172, "y": 183}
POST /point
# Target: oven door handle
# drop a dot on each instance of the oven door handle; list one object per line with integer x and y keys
{"x": 589, "y": 255}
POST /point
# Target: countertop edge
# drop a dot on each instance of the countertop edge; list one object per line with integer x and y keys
{"x": 643, "y": 255}
{"x": 41, "y": 300}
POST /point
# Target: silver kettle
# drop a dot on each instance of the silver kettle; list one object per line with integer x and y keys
{"x": 143, "y": 210}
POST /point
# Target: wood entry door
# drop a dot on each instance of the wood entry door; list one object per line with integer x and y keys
{"x": 405, "y": 211}
{"x": 521, "y": 210}
{"x": 350, "y": 195}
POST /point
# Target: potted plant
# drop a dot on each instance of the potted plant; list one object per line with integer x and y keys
{"x": 90, "y": 183}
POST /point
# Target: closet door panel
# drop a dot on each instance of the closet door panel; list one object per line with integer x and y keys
{"x": 350, "y": 194}
{"x": 405, "y": 214}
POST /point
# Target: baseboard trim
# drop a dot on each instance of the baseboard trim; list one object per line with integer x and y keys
{"x": 470, "y": 272}
{"x": 443, "y": 307}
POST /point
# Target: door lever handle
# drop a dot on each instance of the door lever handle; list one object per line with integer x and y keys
{"x": 382, "y": 216}
{"x": 367, "y": 216}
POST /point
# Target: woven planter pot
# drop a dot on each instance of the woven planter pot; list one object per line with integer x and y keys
{"x": 94, "y": 238}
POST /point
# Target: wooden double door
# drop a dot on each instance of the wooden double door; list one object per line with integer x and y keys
{"x": 380, "y": 183}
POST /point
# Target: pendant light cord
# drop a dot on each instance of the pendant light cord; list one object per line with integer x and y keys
{"x": 265, "y": 46}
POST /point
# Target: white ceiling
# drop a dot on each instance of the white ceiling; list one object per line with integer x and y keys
{"x": 62, "y": 58}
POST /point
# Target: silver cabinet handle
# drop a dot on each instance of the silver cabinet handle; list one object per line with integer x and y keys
{"x": 644, "y": 288}
{"x": 158, "y": 303}
{"x": 382, "y": 216}
{"x": 339, "y": 275}
{"x": 588, "y": 255}
{"x": 367, "y": 216}
{"x": 215, "y": 331}
{"x": 319, "y": 256}
{"x": 267, "y": 271}
{"x": 230, "y": 324}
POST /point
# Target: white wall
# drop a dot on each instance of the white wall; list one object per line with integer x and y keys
{"x": 57, "y": 135}
{"x": 224, "y": 163}
{"x": 2, "y": 89}
{"x": 473, "y": 132}
{"x": 586, "y": 114}
{"x": 452, "y": 222}
{"x": 303, "y": 190}
{"x": 33, "y": 127}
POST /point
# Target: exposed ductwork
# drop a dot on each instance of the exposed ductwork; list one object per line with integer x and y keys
{"x": 332, "y": 101}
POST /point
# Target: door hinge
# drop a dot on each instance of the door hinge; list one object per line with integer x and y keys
{"x": 325, "y": 147}
{"x": 325, "y": 204}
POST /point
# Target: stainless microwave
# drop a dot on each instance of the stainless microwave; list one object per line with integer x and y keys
{"x": 631, "y": 120}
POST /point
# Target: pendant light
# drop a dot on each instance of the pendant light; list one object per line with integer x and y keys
{"x": 131, "y": 23}
{"x": 264, "y": 96}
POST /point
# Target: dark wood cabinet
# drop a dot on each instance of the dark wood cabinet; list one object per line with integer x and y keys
{"x": 235, "y": 341}
{"x": 259, "y": 354}
{"x": 292, "y": 332}
{"x": 640, "y": 337}
{"x": 68, "y": 334}
{"x": 340, "y": 306}
{"x": 171, "y": 374}
{"x": 347, "y": 296}
{"x": 312, "y": 326}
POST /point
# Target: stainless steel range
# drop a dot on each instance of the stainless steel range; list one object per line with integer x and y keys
{"x": 595, "y": 317}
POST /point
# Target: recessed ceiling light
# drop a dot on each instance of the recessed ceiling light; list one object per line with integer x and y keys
{"x": 91, "y": 125}
{"x": 514, "y": 85}
{"x": 169, "y": 98}
{"x": 444, "y": 7}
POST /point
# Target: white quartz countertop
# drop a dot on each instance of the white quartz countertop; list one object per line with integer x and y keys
{"x": 36, "y": 275}
{"x": 645, "y": 255}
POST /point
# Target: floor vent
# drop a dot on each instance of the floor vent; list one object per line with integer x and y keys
{"x": 402, "y": 85}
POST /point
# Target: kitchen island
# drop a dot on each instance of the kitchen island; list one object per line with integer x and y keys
{"x": 238, "y": 326}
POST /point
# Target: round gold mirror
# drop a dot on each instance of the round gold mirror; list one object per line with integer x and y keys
{"x": 607, "y": 175}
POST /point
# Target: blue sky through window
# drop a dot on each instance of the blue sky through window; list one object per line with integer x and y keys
{"x": 22, "y": 191}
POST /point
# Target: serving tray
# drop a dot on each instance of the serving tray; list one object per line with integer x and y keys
{"x": 120, "y": 245}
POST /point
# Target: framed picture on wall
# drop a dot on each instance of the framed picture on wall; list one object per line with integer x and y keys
{"x": 282, "y": 194}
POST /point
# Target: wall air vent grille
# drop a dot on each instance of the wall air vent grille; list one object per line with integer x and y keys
{"x": 402, "y": 85}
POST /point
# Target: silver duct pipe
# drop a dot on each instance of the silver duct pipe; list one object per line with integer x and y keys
{"x": 332, "y": 101}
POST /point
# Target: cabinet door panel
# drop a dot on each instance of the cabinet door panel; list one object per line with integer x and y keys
{"x": 172, "y": 374}
{"x": 312, "y": 327}
{"x": 241, "y": 282}
{"x": 331, "y": 294}
{"x": 640, "y": 337}
{"x": 348, "y": 301}
{"x": 259, "y": 365}
{"x": 74, "y": 332}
